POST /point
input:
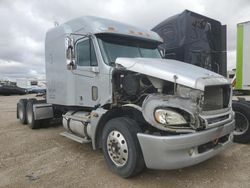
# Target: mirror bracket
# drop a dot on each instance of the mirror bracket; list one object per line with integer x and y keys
{"x": 70, "y": 53}
{"x": 95, "y": 69}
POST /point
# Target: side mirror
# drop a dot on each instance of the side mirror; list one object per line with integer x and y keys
{"x": 70, "y": 53}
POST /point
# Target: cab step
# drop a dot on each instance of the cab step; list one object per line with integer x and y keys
{"x": 75, "y": 138}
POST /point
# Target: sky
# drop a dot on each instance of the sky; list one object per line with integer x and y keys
{"x": 24, "y": 24}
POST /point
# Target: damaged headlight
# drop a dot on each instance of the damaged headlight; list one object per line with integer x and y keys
{"x": 191, "y": 93}
{"x": 169, "y": 117}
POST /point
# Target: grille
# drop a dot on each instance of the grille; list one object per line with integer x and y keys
{"x": 217, "y": 119}
{"x": 216, "y": 97}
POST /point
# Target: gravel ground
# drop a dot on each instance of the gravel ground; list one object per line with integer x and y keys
{"x": 43, "y": 158}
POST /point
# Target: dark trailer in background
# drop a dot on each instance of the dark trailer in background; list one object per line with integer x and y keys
{"x": 194, "y": 39}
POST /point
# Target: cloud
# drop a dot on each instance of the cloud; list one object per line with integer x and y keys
{"x": 24, "y": 24}
{"x": 14, "y": 69}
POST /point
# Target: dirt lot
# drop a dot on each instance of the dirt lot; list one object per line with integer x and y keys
{"x": 43, "y": 158}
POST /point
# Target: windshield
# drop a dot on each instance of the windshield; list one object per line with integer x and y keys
{"x": 113, "y": 47}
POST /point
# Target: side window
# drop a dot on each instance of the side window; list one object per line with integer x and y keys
{"x": 85, "y": 53}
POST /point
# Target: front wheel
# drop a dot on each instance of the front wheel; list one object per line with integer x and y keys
{"x": 242, "y": 122}
{"x": 121, "y": 147}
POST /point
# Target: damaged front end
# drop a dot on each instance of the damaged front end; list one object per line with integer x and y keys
{"x": 173, "y": 99}
{"x": 199, "y": 133}
{"x": 188, "y": 110}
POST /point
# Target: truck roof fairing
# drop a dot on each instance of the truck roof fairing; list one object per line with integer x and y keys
{"x": 94, "y": 25}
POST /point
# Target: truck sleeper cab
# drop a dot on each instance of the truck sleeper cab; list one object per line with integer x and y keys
{"x": 111, "y": 86}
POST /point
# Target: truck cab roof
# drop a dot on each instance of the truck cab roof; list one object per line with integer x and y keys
{"x": 95, "y": 25}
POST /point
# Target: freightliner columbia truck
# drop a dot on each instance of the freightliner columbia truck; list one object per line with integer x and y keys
{"x": 111, "y": 86}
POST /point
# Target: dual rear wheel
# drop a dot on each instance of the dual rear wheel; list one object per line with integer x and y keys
{"x": 25, "y": 113}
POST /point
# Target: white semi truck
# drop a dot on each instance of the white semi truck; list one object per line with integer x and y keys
{"x": 110, "y": 85}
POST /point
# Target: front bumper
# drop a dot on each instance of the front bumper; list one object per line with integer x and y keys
{"x": 179, "y": 151}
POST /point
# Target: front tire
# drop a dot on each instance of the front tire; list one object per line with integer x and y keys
{"x": 242, "y": 122}
{"x": 121, "y": 147}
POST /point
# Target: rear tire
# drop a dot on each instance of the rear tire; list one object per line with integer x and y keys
{"x": 242, "y": 122}
{"x": 121, "y": 147}
{"x": 21, "y": 110}
{"x": 32, "y": 123}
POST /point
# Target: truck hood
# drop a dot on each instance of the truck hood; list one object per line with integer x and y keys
{"x": 174, "y": 71}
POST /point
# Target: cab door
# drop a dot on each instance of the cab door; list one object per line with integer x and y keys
{"x": 86, "y": 74}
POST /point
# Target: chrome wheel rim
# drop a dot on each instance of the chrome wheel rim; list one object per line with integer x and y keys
{"x": 241, "y": 123}
{"x": 117, "y": 148}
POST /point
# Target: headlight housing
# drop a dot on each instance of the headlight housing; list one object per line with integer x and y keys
{"x": 169, "y": 117}
{"x": 191, "y": 93}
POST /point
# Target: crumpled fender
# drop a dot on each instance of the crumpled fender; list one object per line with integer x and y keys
{"x": 154, "y": 101}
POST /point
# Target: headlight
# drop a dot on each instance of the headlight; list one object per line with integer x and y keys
{"x": 169, "y": 117}
{"x": 187, "y": 92}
